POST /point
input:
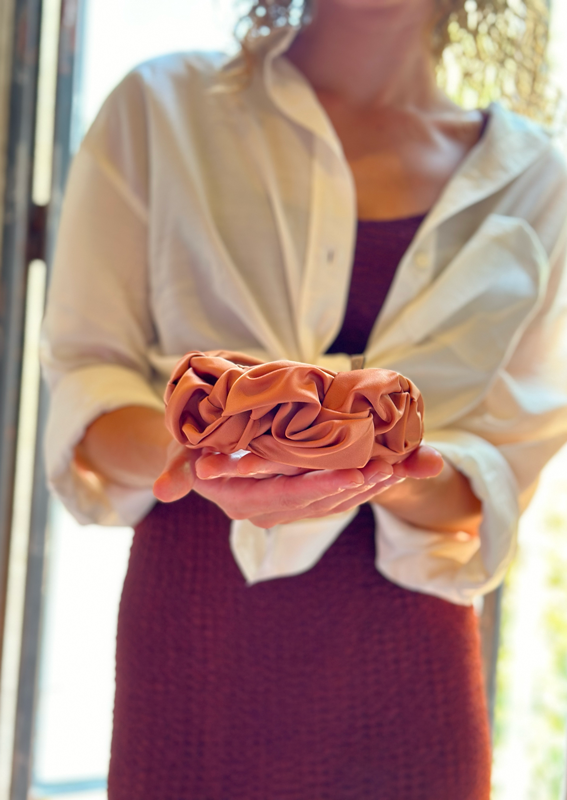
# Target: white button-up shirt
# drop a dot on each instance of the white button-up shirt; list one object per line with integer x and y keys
{"x": 199, "y": 218}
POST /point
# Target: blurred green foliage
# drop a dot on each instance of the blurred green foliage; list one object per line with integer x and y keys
{"x": 531, "y": 701}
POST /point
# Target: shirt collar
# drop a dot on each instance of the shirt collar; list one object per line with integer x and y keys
{"x": 509, "y": 146}
{"x": 293, "y": 94}
{"x": 510, "y": 143}
{"x": 288, "y": 89}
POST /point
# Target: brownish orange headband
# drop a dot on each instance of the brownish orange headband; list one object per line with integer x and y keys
{"x": 292, "y": 413}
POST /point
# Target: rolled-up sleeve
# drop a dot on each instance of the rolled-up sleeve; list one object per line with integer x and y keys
{"x": 501, "y": 446}
{"x": 98, "y": 325}
{"x": 456, "y": 567}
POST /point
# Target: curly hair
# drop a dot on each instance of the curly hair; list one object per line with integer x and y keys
{"x": 485, "y": 50}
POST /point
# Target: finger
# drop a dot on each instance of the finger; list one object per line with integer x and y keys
{"x": 378, "y": 469}
{"x": 424, "y": 462}
{"x": 244, "y": 498}
{"x": 254, "y": 465}
{"x": 366, "y": 496}
{"x": 241, "y": 464}
{"x": 217, "y": 465}
{"x": 178, "y": 476}
{"x": 334, "y": 504}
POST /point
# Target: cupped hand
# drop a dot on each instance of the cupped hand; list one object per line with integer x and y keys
{"x": 268, "y": 494}
{"x": 424, "y": 462}
{"x": 178, "y": 475}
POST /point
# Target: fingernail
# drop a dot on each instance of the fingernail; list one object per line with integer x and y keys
{"x": 205, "y": 477}
{"x": 380, "y": 476}
{"x": 346, "y": 487}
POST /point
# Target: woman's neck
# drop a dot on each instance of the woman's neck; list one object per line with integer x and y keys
{"x": 366, "y": 57}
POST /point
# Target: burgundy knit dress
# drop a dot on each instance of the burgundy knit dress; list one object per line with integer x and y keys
{"x": 332, "y": 685}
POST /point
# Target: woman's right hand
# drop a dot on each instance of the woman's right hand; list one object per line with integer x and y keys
{"x": 269, "y": 500}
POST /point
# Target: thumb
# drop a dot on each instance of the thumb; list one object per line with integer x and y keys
{"x": 178, "y": 475}
{"x": 424, "y": 462}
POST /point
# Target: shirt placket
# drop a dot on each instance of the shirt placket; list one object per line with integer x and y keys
{"x": 328, "y": 264}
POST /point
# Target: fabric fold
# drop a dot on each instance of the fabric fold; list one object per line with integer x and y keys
{"x": 293, "y": 413}
{"x": 456, "y": 567}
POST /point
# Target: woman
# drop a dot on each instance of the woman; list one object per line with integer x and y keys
{"x": 214, "y": 205}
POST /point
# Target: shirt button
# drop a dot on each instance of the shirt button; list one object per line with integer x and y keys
{"x": 330, "y": 255}
{"x": 422, "y": 260}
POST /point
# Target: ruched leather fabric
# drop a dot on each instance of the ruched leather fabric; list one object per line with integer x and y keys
{"x": 293, "y": 413}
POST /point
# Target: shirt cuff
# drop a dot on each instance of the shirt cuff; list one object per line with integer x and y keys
{"x": 77, "y": 399}
{"x": 456, "y": 567}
